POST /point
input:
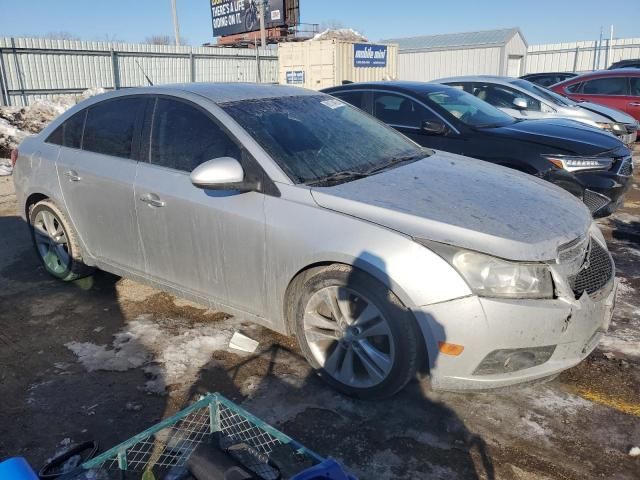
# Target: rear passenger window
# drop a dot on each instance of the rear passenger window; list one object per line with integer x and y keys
{"x": 110, "y": 126}
{"x": 69, "y": 134}
{"x": 575, "y": 88}
{"x": 606, "y": 86}
{"x": 183, "y": 137}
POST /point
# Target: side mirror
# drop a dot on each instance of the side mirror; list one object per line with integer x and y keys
{"x": 224, "y": 173}
{"x": 520, "y": 103}
{"x": 433, "y": 127}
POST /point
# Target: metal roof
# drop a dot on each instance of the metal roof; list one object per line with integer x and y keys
{"x": 456, "y": 40}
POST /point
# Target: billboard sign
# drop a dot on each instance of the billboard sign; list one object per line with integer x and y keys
{"x": 295, "y": 77}
{"x": 230, "y": 17}
{"x": 369, "y": 55}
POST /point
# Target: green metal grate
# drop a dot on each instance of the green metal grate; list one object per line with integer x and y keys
{"x": 171, "y": 442}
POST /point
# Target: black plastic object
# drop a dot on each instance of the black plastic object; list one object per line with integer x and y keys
{"x": 288, "y": 461}
{"x": 209, "y": 463}
{"x": 52, "y": 468}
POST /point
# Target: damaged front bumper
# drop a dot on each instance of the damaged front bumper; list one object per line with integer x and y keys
{"x": 507, "y": 342}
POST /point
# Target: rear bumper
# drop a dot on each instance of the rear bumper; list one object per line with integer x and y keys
{"x": 485, "y": 325}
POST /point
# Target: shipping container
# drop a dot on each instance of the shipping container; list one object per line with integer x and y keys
{"x": 318, "y": 64}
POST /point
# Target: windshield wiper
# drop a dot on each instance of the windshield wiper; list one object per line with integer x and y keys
{"x": 398, "y": 159}
{"x": 339, "y": 176}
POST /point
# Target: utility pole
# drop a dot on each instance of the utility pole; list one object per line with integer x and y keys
{"x": 176, "y": 27}
{"x": 263, "y": 33}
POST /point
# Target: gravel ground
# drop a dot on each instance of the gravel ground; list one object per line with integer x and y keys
{"x": 104, "y": 358}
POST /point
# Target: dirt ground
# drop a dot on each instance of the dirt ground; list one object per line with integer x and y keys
{"x": 104, "y": 358}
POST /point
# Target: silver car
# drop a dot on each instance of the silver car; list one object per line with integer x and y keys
{"x": 295, "y": 210}
{"x": 523, "y": 99}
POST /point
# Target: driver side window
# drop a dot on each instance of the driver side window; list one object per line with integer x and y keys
{"x": 401, "y": 111}
{"x": 183, "y": 137}
{"x": 502, "y": 97}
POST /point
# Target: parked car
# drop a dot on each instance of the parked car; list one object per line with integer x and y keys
{"x": 522, "y": 99}
{"x": 291, "y": 208}
{"x": 548, "y": 78}
{"x": 619, "y": 89}
{"x": 585, "y": 161}
{"x": 630, "y": 63}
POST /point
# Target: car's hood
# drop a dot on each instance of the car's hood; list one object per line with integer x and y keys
{"x": 611, "y": 113}
{"x": 560, "y": 134}
{"x": 467, "y": 203}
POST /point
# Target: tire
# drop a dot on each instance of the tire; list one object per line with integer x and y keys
{"x": 365, "y": 354}
{"x": 47, "y": 220}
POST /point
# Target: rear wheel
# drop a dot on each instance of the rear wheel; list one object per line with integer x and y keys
{"x": 356, "y": 333}
{"x": 56, "y": 242}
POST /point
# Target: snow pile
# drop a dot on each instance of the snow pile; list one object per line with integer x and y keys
{"x": 346, "y": 34}
{"x": 634, "y": 452}
{"x": 16, "y": 123}
{"x": 171, "y": 352}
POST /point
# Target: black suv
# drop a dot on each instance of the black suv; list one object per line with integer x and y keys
{"x": 591, "y": 164}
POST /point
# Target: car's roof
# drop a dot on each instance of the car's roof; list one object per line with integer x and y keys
{"x": 540, "y": 74}
{"x": 422, "y": 87}
{"x": 478, "y": 78}
{"x": 224, "y": 92}
{"x": 616, "y": 72}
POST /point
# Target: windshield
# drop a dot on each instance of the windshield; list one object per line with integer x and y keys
{"x": 313, "y": 137}
{"x": 544, "y": 93}
{"x": 470, "y": 109}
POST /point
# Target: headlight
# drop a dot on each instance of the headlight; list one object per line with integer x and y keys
{"x": 576, "y": 164}
{"x": 490, "y": 276}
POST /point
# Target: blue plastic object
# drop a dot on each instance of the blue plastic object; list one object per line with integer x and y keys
{"x": 328, "y": 469}
{"x": 16, "y": 468}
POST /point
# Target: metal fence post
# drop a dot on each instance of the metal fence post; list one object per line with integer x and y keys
{"x": 114, "y": 70}
{"x": 192, "y": 67}
{"x": 575, "y": 60}
{"x": 18, "y": 72}
{"x": 4, "y": 86}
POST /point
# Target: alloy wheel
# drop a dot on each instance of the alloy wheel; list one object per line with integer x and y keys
{"x": 349, "y": 337}
{"x": 51, "y": 242}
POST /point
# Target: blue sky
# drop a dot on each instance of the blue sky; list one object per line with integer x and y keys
{"x": 541, "y": 21}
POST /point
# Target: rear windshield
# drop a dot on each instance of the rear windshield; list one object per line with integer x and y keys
{"x": 315, "y": 136}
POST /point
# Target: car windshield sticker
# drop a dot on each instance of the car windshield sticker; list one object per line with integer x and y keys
{"x": 333, "y": 103}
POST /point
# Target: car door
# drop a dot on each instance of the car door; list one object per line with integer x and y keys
{"x": 407, "y": 115}
{"x": 610, "y": 91}
{"x": 208, "y": 243}
{"x": 96, "y": 174}
{"x": 633, "y": 103}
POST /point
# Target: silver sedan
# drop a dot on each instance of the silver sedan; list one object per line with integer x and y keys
{"x": 294, "y": 210}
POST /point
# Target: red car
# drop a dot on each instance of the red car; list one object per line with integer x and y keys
{"x": 619, "y": 89}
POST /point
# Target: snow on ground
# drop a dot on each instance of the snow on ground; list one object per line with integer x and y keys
{"x": 16, "y": 123}
{"x": 625, "y": 338}
{"x": 171, "y": 352}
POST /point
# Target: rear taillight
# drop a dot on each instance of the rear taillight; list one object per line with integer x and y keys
{"x": 14, "y": 157}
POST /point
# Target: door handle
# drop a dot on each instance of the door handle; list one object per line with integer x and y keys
{"x": 634, "y": 104}
{"x": 72, "y": 175}
{"x": 152, "y": 200}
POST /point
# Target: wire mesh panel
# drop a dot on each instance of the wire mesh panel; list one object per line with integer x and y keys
{"x": 171, "y": 442}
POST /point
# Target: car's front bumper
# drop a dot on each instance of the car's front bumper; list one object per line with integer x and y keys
{"x": 604, "y": 190}
{"x": 483, "y": 325}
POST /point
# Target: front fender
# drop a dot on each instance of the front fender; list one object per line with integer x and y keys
{"x": 301, "y": 234}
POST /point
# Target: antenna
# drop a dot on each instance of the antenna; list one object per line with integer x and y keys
{"x": 143, "y": 72}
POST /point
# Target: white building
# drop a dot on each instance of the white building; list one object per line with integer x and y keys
{"x": 490, "y": 52}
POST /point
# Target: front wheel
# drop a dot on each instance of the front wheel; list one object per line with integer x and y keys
{"x": 356, "y": 333}
{"x": 56, "y": 242}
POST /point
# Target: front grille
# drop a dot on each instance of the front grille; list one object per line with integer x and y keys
{"x": 626, "y": 169}
{"x": 594, "y": 201}
{"x": 596, "y": 275}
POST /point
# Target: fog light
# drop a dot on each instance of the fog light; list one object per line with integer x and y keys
{"x": 514, "y": 359}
